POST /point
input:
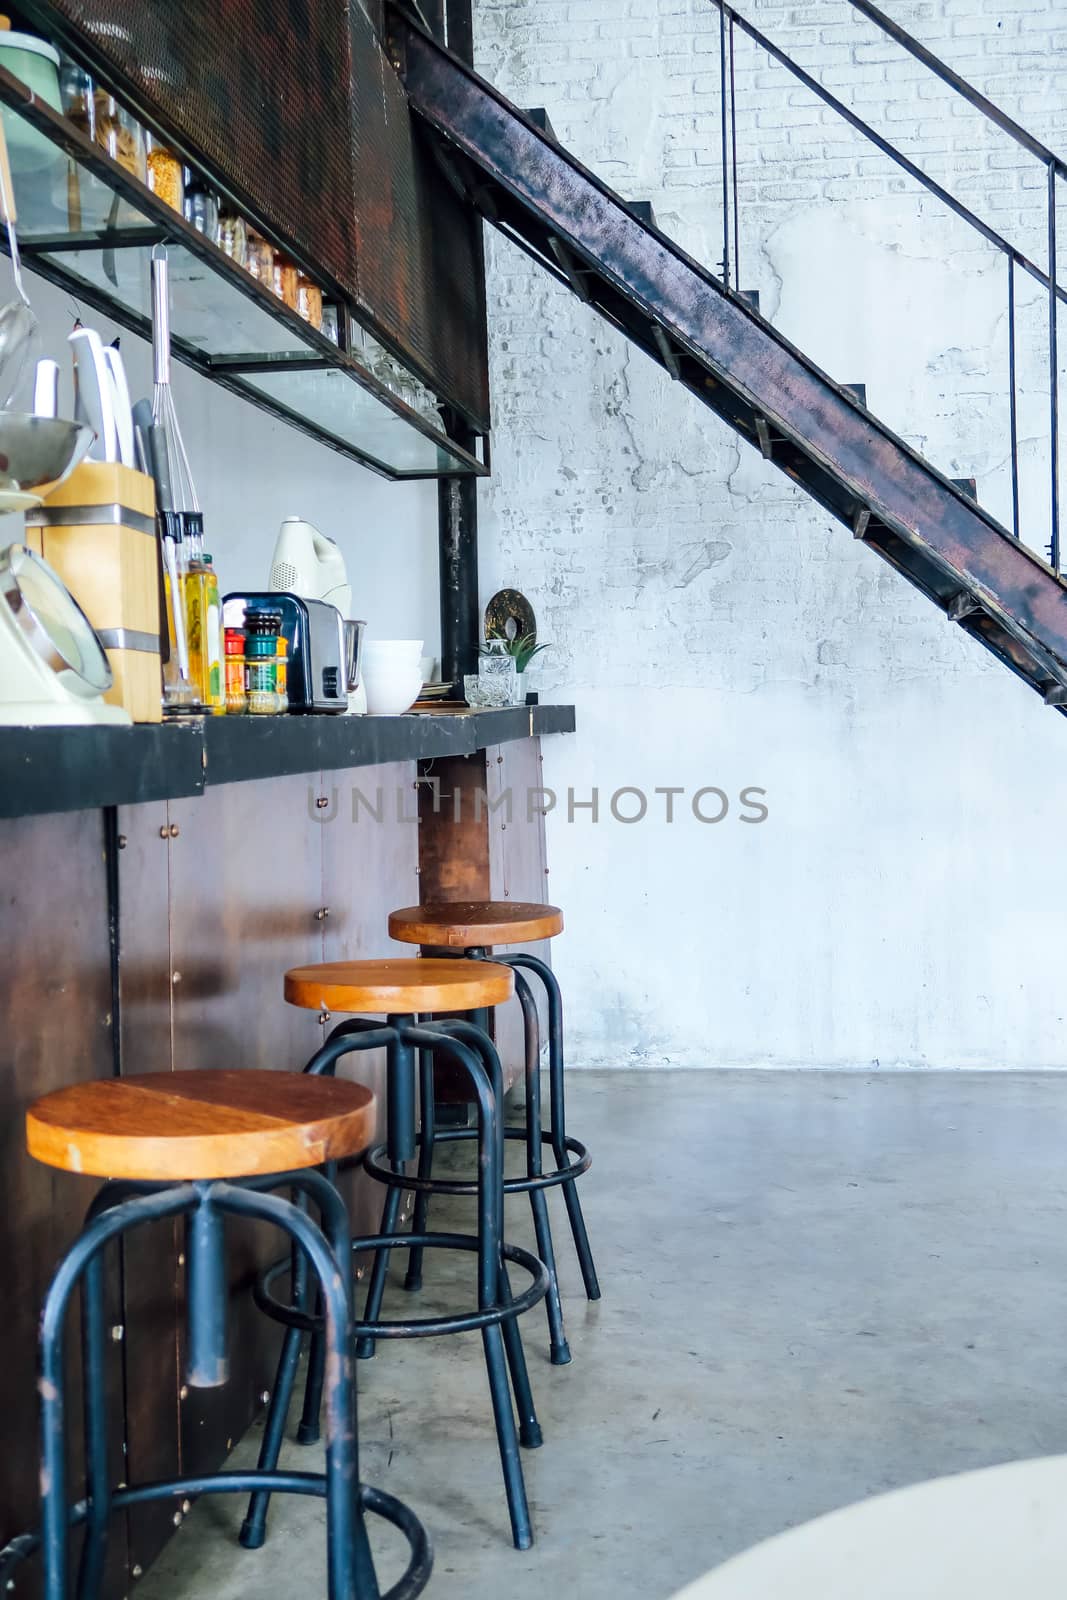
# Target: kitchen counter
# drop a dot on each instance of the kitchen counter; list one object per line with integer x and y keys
{"x": 75, "y": 769}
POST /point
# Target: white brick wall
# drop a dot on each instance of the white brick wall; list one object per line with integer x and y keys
{"x": 713, "y": 623}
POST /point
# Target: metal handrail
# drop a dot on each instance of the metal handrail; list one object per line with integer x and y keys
{"x": 1054, "y": 165}
{"x": 888, "y": 149}
{"x": 973, "y": 96}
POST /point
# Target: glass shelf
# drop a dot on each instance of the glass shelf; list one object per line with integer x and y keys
{"x": 88, "y": 224}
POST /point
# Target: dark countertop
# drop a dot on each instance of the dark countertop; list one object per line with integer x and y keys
{"x": 78, "y": 769}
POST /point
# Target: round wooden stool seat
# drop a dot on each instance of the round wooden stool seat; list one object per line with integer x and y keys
{"x": 397, "y": 988}
{"x": 465, "y": 924}
{"x": 187, "y": 1125}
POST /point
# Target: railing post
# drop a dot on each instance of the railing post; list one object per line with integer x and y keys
{"x": 733, "y": 160}
{"x": 1053, "y": 369}
{"x": 1013, "y": 402}
{"x": 724, "y": 126}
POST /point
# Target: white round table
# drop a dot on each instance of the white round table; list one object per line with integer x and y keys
{"x": 997, "y": 1534}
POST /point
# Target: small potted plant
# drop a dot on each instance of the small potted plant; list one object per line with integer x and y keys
{"x": 522, "y": 649}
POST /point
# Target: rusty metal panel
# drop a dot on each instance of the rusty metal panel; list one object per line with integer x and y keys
{"x": 307, "y": 126}
{"x": 418, "y": 246}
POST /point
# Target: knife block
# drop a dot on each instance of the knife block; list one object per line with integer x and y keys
{"x": 98, "y": 530}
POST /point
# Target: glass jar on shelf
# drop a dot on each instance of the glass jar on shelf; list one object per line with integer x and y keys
{"x": 76, "y": 94}
{"x": 120, "y": 134}
{"x": 259, "y": 257}
{"x": 165, "y": 175}
{"x": 309, "y": 300}
{"x": 233, "y": 234}
{"x": 79, "y": 108}
{"x": 331, "y": 319}
{"x": 201, "y": 207}
{"x": 285, "y": 276}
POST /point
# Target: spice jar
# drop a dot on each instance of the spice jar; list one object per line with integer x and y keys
{"x": 233, "y": 235}
{"x": 261, "y": 660}
{"x": 259, "y": 257}
{"x": 165, "y": 176}
{"x": 281, "y": 676}
{"x": 200, "y": 207}
{"x": 236, "y": 697}
{"x": 285, "y": 276}
{"x": 309, "y": 300}
{"x": 117, "y": 132}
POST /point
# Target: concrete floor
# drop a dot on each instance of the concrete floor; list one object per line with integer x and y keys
{"x": 816, "y": 1286}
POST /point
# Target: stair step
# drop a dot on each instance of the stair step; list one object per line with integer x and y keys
{"x": 748, "y": 297}
{"x": 765, "y": 437}
{"x": 963, "y": 605}
{"x": 969, "y": 487}
{"x": 668, "y": 352}
{"x": 642, "y": 210}
{"x": 540, "y": 119}
{"x": 567, "y": 264}
{"x": 858, "y": 391}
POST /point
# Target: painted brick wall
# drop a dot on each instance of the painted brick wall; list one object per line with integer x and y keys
{"x": 901, "y": 904}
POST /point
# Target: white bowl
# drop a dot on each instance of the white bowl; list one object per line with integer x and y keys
{"x": 391, "y": 687}
{"x": 408, "y": 648}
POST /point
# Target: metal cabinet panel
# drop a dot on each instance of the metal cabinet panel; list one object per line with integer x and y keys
{"x": 55, "y": 1028}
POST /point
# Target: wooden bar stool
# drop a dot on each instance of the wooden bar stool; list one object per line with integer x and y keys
{"x": 401, "y": 991}
{"x": 471, "y": 928}
{"x": 203, "y": 1146}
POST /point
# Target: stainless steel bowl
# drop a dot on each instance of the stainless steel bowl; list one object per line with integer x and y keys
{"x": 38, "y": 452}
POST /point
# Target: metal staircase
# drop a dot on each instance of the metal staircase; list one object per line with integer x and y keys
{"x": 712, "y": 339}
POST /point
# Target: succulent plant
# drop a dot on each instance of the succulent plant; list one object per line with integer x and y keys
{"x": 521, "y": 649}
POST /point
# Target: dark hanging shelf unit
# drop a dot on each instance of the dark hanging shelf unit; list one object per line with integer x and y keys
{"x": 225, "y": 323}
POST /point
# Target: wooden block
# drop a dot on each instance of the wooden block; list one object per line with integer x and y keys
{"x": 109, "y": 559}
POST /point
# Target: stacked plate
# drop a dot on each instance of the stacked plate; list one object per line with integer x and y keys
{"x": 435, "y": 691}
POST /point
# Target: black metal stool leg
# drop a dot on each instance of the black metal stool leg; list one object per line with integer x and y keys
{"x": 530, "y": 1433}
{"x": 559, "y": 1349}
{"x": 400, "y": 1095}
{"x": 254, "y": 1528}
{"x": 307, "y": 1431}
{"x": 559, "y": 1120}
{"x": 483, "y": 1067}
{"x": 479, "y": 1040}
{"x": 52, "y": 1383}
{"x": 427, "y": 1113}
{"x": 351, "y": 1574}
{"x": 504, "y": 1417}
{"x": 379, "y": 1271}
{"x": 98, "y": 1483}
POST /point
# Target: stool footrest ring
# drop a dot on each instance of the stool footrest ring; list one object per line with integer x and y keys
{"x": 412, "y": 1327}
{"x": 376, "y": 1501}
{"x": 374, "y": 1166}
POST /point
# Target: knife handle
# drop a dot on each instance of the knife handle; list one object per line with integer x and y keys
{"x": 46, "y": 389}
{"x": 120, "y": 396}
{"x": 93, "y": 392}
